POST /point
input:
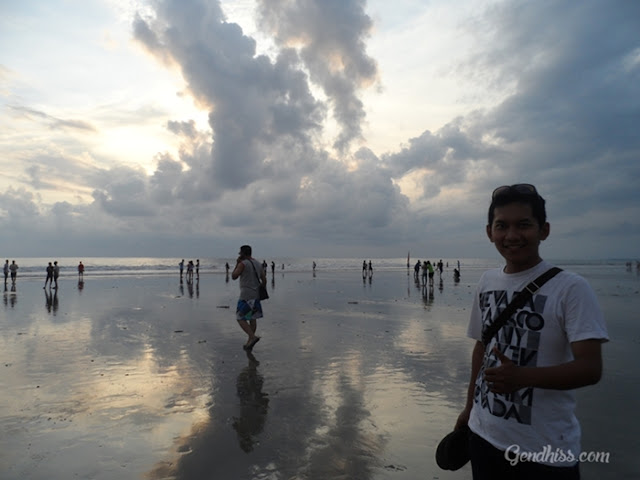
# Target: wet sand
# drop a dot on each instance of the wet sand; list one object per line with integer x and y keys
{"x": 141, "y": 377}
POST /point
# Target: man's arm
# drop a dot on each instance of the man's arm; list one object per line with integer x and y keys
{"x": 238, "y": 270}
{"x": 585, "y": 369}
{"x": 476, "y": 363}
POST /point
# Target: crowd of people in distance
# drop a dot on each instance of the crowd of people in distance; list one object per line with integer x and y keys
{"x": 428, "y": 271}
{"x": 191, "y": 268}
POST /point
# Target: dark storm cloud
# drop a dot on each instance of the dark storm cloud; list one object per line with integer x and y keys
{"x": 569, "y": 73}
{"x": 256, "y": 105}
{"x": 330, "y": 35}
{"x": 124, "y": 193}
{"x": 571, "y": 124}
{"x": 569, "y": 118}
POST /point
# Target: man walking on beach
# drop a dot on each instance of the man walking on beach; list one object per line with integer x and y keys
{"x": 249, "y": 309}
{"x": 6, "y": 271}
{"x": 520, "y": 398}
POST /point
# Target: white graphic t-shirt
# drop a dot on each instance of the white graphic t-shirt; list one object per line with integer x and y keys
{"x": 563, "y": 311}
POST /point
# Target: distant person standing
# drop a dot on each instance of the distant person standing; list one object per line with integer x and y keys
{"x": 13, "y": 268}
{"x": 49, "y": 278}
{"x": 198, "y": 268}
{"x": 226, "y": 266}
{"x": 273, "y": 268}
{"x": 430, "y": 270}
{"x": 249, "y": 309}
{"x": 80, "y": 271}
{"x": 181, "y": 265}
{"x": 56, "y": 273}
{"x": 190, "y": 271}
{"x": 6, "y": 271}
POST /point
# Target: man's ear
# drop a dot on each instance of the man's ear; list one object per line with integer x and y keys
{"x": 544, "y": 231}
{"x": 489, "y": 233}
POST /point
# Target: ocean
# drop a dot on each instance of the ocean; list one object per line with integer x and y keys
{"x": 120, "y": 266}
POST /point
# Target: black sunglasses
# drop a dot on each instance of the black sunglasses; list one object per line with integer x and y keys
{"x": 521, "y": 188}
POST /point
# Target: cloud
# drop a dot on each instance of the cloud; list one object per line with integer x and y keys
{"x": 261, "y": 170}
{"x": 257, "y": 106}
{"x": 331, "y": 38}
{"x": 53, "y": 122}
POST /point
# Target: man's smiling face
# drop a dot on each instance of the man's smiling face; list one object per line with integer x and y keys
{"x": 517, "y": 235}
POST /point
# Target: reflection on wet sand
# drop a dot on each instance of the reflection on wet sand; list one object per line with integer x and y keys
{"x": 129, "y": 380}
{"x": 51, "y": 300}
{"x": 349, "y": 445}
{"x": 254, "y": 405}
{"x": 328, "y": 433}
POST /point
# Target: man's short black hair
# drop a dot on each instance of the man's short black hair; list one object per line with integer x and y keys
{"x": 536, "y": 202}
{"x": 245, "y": 250}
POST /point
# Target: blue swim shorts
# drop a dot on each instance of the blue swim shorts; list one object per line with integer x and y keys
{"x": 248, "y": 310}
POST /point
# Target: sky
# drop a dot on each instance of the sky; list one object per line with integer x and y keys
{"x": 316, "y": 128}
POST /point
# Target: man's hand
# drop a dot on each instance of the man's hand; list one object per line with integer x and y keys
{"x": 463, "y": 418}
{"x": 503, "y": 378}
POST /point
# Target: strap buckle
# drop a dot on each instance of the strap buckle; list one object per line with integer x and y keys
{"x": 532, "y": 288}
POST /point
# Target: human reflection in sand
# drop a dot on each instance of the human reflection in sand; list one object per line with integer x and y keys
{"x": 254, "y": 405}
{"x": 51, "y": 301}
{"x": 10, "y": 299}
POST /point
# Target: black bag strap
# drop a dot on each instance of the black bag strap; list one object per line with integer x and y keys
{"x": 518, "y": 302}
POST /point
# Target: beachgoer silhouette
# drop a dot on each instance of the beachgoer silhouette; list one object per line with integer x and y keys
{"x": 13, "y": 268}
{"x": 49, "y": 278}
{"x": 190, "y": 271}
{"x": 56, "y": 273}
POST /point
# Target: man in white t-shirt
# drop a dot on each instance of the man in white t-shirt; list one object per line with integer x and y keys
{"x": 520, "y": 401}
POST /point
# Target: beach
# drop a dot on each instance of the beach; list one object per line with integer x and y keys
{"x": 130, "y": 376}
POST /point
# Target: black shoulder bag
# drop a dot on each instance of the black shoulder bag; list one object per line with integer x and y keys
{"x": 262, "y": 289}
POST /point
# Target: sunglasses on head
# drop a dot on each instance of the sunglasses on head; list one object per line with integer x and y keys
{"x": 521, "y": 188}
